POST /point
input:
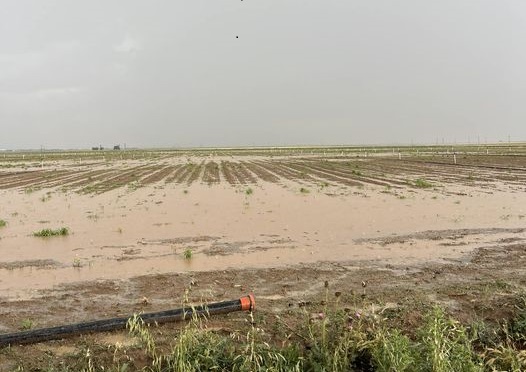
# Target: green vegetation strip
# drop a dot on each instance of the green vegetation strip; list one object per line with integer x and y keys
{"x": 342, "y": 341}
{"x": 63, "y": 231}
{"x": 331, "y": 339}
{"x": 422, "y": 183}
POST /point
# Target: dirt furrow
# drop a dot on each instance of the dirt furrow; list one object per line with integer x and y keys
{"x": 211, "y": 173}
{"x": 261, "y": 172}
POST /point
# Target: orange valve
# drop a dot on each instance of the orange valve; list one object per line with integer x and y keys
{"x": 248, "y": 302}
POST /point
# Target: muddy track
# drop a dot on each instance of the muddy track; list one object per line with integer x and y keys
{"x": 400, "y": 172}
{"x": 118, "y": 180}
{"x": 86, "y": 178}
{"x": 270, "y": 167}
{"x": 158, "y": 175}
{"x": 237, "y": 174}
{"x": 382, "y": 171}
{"x": 243, "y": 174}
{"x": 184, "y": 173}
{"x": 460, "y": 168}
{"x": 211, "y": 173}
{"x": 228, "y": 174}
{"x": 67, "y": 178}
{"x": 458, "y": 172}
{"x": 388, "y": 177}
{"x": 286, "y": 173}
{"x": 295, "y": 174}
{"x": 196, "y": 173}
{"x": 353, "y": 175}
{"x": 33, "y": 178}
{"x": 375, "y": 171}
{"x": 324, "y": 175}
{"x": 436, "y": 172}
{"x": 178, "y": 170}
{"x": 357, "y": 167}
{"x": 81, "y": 177}
{"x": 261, "y": 172}
{"x": 503, "y": 162}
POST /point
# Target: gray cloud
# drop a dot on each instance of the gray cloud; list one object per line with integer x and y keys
{"x": 128, "y": 45}
{"x": 167, "y": 73}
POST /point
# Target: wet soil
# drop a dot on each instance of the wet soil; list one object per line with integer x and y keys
{"x": 481, "y": 288}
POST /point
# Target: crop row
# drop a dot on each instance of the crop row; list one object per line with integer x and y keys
{"x": 389, "y": 172}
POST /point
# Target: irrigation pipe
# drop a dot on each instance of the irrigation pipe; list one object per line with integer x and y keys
{"x": 246, "y": 303}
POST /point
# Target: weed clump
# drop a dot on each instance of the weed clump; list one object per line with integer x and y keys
{"x": 3, "y": 223}
{"x": 422, "y": 183}
{"x": 45, "y": 197}
{"x": 445, "y": 345}
{"x": 187, "y": 254}
{"x": 356, "y": 172}
{"x": 517, "y": 327}
{"x": 26, "y": 324}
{"x": 63, "y": 231}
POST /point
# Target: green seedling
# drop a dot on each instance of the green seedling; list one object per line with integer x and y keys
{"x": 422, "y": 183}
{"x": 187, "y": 254}
{"x": 26, "y": 324}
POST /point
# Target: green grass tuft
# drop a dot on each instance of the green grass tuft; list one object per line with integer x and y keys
{"x": 356, "y": 172}
{"x": 63, "y": 231}
{"x": 26, "y": 324}
{"x": 445, "y": 345}
{"x": 187, "y": 254}
{"x": 422, "y": 183}
{"x": 3, "y": 223}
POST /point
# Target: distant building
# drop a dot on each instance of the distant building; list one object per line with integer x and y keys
{"x": 97, "y": 148}
{"x": 117, "y": 147}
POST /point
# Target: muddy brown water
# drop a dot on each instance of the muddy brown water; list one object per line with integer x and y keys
{"x": 128, "y": 232}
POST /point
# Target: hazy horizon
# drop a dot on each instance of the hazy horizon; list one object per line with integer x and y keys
{"x": 307, "y": 146}
{"x": 171, "y": 74}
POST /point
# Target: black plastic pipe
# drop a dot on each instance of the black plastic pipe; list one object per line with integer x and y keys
{"x": 246, "y": 303}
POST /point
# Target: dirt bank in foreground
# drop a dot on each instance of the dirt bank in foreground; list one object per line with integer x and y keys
{"x": 483, "y": 287}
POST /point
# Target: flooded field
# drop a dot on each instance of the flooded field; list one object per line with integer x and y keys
{"x": 248, "y": 220}
{"x": 134, "y": 217}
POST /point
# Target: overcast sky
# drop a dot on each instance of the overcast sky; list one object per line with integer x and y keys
{"x": 260, "y": 72}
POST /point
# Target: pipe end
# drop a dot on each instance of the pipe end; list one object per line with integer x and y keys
{"x": 248, "y": 303}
